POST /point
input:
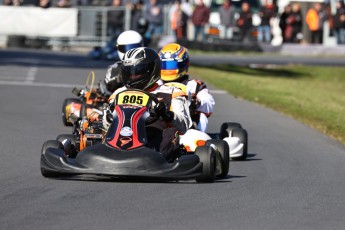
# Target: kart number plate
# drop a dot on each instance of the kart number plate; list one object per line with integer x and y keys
{"x": 133, "y": 98}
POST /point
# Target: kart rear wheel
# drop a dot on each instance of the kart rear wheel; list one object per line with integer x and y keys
{"x": 207, "y": 157}
{"x": 223, "y": 158}
{"x": 65, "y": 113}
{"x": 50, "y": 144}
{"x": 243, "y": 136}
{"x": 226, "y": 129}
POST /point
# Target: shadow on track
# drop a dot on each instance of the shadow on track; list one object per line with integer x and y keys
{"x": 259, "y": 71}
{"x": 93, "y": 178}
{"x": 250, "y": 157}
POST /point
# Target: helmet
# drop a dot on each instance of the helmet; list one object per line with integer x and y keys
{"x": 128, "y": 40}
{"x": 175, "y": 62}
{"x": 140, "y": 68}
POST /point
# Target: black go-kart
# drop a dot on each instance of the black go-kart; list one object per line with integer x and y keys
{"x": 121, "y": 151}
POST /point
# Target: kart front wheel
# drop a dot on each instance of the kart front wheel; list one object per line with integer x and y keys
{"x": 66, "y": 110}
{"x": 226, "y": 129}
{"x": 69, "y": 146}
{"x": 63, "y": 137}
{"x": 243, "y": 136}
{"x": 223, "y": 158}
{"x": 207, "y": 157}
{"x": 50, "y": 144}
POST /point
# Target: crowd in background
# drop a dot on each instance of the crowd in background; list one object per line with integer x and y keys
{"x": 147, "y": 18}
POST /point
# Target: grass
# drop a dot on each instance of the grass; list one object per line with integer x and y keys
{"x": 313, "y": 95}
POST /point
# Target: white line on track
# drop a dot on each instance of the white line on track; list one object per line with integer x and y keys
{"x": 40, "y": 84}
{"x": 12, "y": 78}
{"x": 58, "y": 85}
{"x": 31, "y": 74}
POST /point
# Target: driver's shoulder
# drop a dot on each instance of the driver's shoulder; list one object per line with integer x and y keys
{"x": 169, "y": 89}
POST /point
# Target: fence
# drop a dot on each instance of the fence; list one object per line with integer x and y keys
{"x": 87, "y": 26}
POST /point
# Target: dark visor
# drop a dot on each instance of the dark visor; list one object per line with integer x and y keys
{"x": 125, "y": 48}
{"x": 138, "y": 74}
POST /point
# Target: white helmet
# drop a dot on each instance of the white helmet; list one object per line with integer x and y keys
{"x": 128, "y": 40}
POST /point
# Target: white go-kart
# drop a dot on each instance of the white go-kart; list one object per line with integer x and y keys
{"x": 232, "y": 133}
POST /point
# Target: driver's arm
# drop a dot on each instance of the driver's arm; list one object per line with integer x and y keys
{"x": 182, "y": 120}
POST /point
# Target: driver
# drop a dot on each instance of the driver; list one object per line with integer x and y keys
{"x": 140, "y": 69}
{"x": 175, "y": 63}
{"x": 127, "y": 40}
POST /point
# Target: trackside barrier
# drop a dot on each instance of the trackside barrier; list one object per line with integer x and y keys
{"x": 82, "y": 26}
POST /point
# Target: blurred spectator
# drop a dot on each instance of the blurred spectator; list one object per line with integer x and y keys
{"x": 245, "y": 22}
{"x": 83, "y": 2}
{"x": 179, "y": 19}
{"x": 99, "y": 3}
{"x": 227, "y": 19}
{"x": 115, "y": 19}
{"x": 28, "y": 2}
{"x": 44, "y": 4}
{"x": 315, "y": 18}
{"x": 153, "y": 13}
{"x": 283, "y": 21}
{"x": 8, "y": 2}
{"x": 339, "y": 22}
{"x": 138, "y": 22}
{"x": 20, "y": 2}
{"x": 293, "y": 30}
{"x": 64, "y": 3}
{"x": 187, "y": 7}
{"x": 200, "y": 17}
{"x": 264, "y": 30}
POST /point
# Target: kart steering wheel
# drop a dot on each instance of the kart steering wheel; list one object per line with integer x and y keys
{"x": 153, "y": 116}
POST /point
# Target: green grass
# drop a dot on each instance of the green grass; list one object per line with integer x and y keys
{"x": 313, "y": 95}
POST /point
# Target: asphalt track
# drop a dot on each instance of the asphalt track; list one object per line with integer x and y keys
{"x": 294, "y": 177}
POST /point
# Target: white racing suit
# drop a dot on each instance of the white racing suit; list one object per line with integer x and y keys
{"x": 200, "y": 101}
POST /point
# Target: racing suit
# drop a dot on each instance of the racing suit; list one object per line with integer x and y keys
{"x": 162, "y": 134}
{"x": 200, "y": 101}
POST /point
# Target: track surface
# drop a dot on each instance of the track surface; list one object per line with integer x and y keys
{"x": 294, "y": 178}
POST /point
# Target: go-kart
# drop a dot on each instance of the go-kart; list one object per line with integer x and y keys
{"x": 122, "y": 150}
{"x": 90, "y": 99}
{"x": 233, "y": 133}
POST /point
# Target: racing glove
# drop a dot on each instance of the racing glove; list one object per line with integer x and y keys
{"x": 107, "y": 116}
{"x": 162, "y": 111}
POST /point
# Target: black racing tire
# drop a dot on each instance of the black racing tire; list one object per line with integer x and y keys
{"x": 50, "y": 144}
{"x": 66, "y": 102}
{"x": 70, "y": 150}
{"x": 243, "y": 136}
{"x": 223, "y": 156}
{"x": 207, "y": 156}
{"x": 62, "y": 137}
{"x": 226, "y": 128}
